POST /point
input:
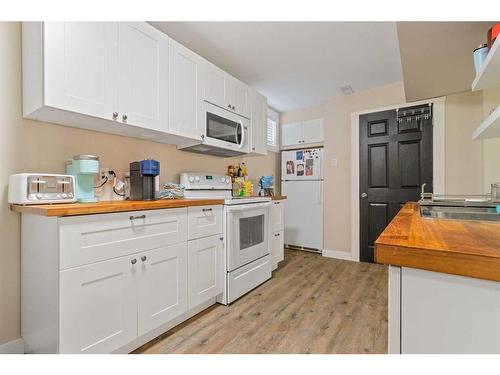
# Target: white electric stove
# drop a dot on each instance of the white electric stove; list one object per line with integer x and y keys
{"x": 247, "y": 245}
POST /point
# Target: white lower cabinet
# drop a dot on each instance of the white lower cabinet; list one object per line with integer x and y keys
{"x": 162, "y": 286}
{"x": 278, "y": 248}
{"x": 205, "y": 259}
{"x": 129, "y": 278}
{"x": 98, "y": 306}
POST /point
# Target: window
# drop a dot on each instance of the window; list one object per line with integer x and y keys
{"x": 272, "y": 135}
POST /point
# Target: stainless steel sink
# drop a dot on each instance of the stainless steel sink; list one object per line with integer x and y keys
{"x": 459, "y": 213}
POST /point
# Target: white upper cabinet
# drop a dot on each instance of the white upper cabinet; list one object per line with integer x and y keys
{"x": 80, "y": 67}
{"x": 291, "y": 134}
{"x": 312, "y": 131}
{"x": 143, "y": 78}
{"x": 259, "y": 124}
{"x": 240, "y": 97}
{"x": 227, "y": 92}
{"x": 217, "y": 87}
{"x": 186, "y": 91}
{"x": 302, "y": 133}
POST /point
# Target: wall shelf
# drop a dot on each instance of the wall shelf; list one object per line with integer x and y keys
{"x": 489, "y": 75}
{"x": 490, "y": 127}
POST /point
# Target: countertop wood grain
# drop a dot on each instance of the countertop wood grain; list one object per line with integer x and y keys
{"x": 73, "y": 209}
{"x": 278, "y": 197}
{"x": 459, "y": 247}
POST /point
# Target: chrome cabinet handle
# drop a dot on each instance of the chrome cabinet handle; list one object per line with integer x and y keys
{"x": 206, "y": 209}
{"x": 115, "y": 115}
{"x": 234, "y": 108}
{"x": 364, "y": 195}
{"x": 276, "y": 235}
{"x": 137, "y": 217}
{"x": 124, "y": 118}
{"x": 143, "y": 258}
{"x": 221, "y": 238}
{"x": 133, "y": 261}
{"x": 229, "y": 106}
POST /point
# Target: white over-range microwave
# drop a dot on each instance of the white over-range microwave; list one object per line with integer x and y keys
{"x": 225, "y": 133}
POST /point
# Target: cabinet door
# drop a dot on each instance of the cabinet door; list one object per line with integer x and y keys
{"x": 278, "y": 250}
{"x": 277, "y": 216}
{"x": 312, "y": 131}
{"x": 291, "y": 134}
{"x": 162, "y": 288}
{"x": 206, "y": 269}
{"x": 186, "y": 91}
{"x": 240, "y": 97}
{"x": 143, "y": 77}
{"x": 259, "y": 124}
{"x": 81, "y": 67}
{"x": 98, "y": 306}
{"x": 217, "y": 86}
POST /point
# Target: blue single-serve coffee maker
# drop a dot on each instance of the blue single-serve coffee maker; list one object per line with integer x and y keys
{"x": 266, "y": 186}
{"x": 144, "y": 180}
{"x": 84, "y": 168}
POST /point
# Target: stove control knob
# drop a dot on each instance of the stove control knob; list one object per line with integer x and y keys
{"x": 197, "y": 178}
{"x": 228, "y": 180}
{"x": 64, "y": 195}
{"x": 191, "y": 179}
{"x": 39, "y": 196}
{"x": 222, "y": 179}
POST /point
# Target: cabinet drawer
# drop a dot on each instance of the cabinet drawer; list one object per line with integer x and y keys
{"x": 93, "y": 238}
{"x": 204, "y": 221}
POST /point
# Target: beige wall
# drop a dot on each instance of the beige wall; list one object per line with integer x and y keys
{"x": 336, "y": 112}
{"x": 27, "y": 146}
{"x": 463, "y": 156}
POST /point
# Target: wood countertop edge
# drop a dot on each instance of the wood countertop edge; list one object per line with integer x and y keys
{"x": 76, "y": 209}
{"x": 476, "y": 266}
{"x": 278, "y": 197}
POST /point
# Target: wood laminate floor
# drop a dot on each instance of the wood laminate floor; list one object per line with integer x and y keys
{"x": 312, "y": 304}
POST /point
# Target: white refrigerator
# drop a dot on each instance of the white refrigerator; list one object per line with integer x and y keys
{"x": 302, "y": 183}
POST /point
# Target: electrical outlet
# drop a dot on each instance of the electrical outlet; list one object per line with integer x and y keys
{"x": 104, "y": 172}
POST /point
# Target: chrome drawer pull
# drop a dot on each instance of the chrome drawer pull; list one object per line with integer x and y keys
{"x": 206, "y": 209}
{"x": 137, "y": 217}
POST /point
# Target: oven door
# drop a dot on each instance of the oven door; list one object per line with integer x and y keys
{"x": 225, "y": 129}
{"x": 247, "y": 233}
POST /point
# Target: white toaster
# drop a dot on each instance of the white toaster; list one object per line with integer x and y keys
{"x": 41, "y": 188}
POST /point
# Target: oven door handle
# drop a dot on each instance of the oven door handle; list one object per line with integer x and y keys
{"x": 240, "y": 125}
{"x": 248, "y": 207}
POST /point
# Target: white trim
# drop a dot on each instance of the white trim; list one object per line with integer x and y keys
{"x": 13, "y": 347}
{"x": 337, "y": 254}
{"x": 275, "y": 116}
{"x": 438, "y": 165}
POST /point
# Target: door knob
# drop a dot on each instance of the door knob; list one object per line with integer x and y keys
{"x": 364, "y": 195}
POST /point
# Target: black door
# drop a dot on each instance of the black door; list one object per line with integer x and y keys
{"x": 395, "y": 159}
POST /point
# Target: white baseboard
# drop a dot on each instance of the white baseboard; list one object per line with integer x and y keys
{"x": 13, "y": 347}
{"x": 337, "y": 254}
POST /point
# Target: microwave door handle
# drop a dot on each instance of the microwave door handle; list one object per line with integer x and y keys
{"x": 242, "y": 133}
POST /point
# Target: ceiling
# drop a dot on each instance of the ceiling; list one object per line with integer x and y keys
{"x": 296, "y": 64}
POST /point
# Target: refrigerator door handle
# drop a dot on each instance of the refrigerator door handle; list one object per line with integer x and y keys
{"x": 320, "y": 198}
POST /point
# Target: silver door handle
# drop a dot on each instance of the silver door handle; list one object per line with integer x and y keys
{"x": 364, "y": 195}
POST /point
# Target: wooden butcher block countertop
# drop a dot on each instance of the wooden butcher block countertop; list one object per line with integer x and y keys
{"x": 278, "y": 197}
{"x": 73, "y": 209}
{"x": 459, "y": 247}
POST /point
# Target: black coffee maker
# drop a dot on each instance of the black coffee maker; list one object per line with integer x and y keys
{"x": 144, "y": 180}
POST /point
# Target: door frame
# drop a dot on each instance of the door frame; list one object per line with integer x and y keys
{"x": 438, "y": 161}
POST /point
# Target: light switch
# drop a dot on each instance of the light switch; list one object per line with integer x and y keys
{"x": 333, "y": 162}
